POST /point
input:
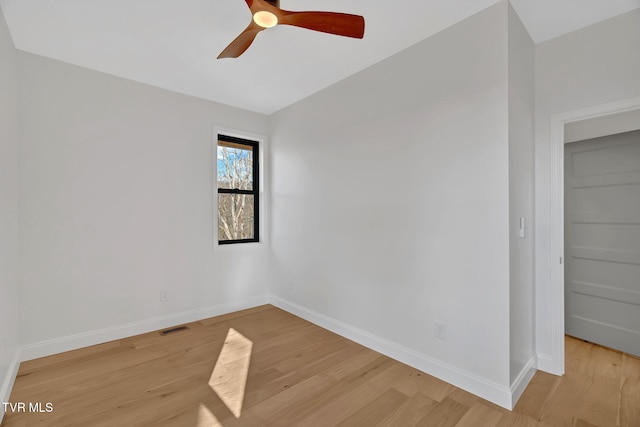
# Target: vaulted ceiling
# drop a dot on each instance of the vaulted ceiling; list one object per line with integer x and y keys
{"x": 173, "y": 44}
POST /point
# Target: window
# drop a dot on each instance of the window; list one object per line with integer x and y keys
{"x": 238, "y": 189}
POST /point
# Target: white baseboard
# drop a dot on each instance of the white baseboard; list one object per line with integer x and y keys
{"x": 86, "y": 339}
{"x": 9, "y": 379}
{"x": 523, "y": 379}
{"x": 546, "y": 364}
{"x": 481, "y": 387}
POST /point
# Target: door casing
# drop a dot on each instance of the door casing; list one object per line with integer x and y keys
{"x": 556, "y": 227}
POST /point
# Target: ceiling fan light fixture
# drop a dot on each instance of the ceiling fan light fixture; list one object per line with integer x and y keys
{"x": 265, "y": 19}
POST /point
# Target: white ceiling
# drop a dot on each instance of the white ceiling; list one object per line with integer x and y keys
{"x": 173, "y": 44}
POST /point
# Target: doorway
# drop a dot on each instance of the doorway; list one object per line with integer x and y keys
{"x": 602, "y": 241}
{"x": 553, "y": 287}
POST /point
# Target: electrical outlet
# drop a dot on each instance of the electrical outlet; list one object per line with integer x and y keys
{"x": 441, "y": 331}
{"x": 164, "y": 296}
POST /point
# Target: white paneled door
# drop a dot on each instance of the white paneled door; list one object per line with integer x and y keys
{"x": 602, "y": 241}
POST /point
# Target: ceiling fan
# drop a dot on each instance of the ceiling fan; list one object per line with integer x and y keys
{"x": 267, "y": 14}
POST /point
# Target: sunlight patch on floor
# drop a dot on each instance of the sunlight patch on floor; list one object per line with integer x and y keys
{"x": 206, "y": 418}
{"x": 229, "y": 376}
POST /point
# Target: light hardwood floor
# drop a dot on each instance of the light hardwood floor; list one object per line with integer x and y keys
{"x": 265, "y": 367}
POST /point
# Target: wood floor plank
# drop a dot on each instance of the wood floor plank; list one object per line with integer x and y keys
{"x": 630, "y": 366}
{"x": 339, "y": 409}
{"x": 294, "y": 403}
{"x": 583, "y": 423}
{"x": 116, "y": 384}
{"x": 600, "y": 402}
{"x": 516, "y": 419}
{"x": 469, "y": 400}
{"x": 397, "y": 373}
{"x": 268, "y": 383}
{"x": 410, "y": 412}
{"x": 577, "y": 354}
{"x": 565, "y": 400}
{"x": 445, "y": 414}
{"x": 346, "y": 367}
{"x": 376, "y": 410}
{"x": 336, "y": 390}
{"x": 325, "y": 362}
{"x": 369, "y": 371}
{"x": 585, "y": 357}
{"x": 266, "y": 367}
{"x": 68, "y": 357}
{"x": 480, "y": 415}
{"x": 426, "y": 384}
{"x": 630, "y": 402}
{"x": 536, "y": 394}
{"x": 605, "y": 362}
{"x": 464, "y": 397}
{"x": 198, "y": 415}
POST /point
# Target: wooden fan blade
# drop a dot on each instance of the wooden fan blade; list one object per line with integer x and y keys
{"x": 341, "y": 24}
{"x": 242, "y": 42}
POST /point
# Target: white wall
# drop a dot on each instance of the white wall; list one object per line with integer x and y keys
{"x": 521, "y": 116}
{"x": 589, "y": 67}
{"x": 116, "y": 185}
{"x": 390, "y": 199}
{"x": 9, "y": 339}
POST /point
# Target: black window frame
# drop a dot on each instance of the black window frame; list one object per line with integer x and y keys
{"x": 255, "y": 192}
